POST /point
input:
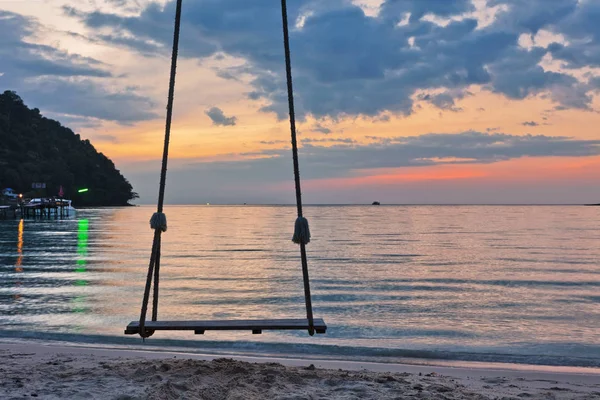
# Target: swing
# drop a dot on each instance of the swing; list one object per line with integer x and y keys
{"x": 158, "y": 222}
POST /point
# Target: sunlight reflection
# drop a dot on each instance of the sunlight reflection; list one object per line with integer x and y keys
{"x": 19, "y": 263}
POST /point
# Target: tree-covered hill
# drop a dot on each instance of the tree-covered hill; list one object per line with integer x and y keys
{"x": 37, "y": 149}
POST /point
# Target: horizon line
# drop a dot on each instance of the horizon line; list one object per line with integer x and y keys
{"x": 367, "y": 204}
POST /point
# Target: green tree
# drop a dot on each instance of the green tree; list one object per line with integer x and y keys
{"x": 37, "y": 149}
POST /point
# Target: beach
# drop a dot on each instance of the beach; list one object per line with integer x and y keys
{"x": 42, "y": 370}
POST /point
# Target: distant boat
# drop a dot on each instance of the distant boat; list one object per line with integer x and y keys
{"x": 376, "y": 203}
{"x": 593, "y": 204}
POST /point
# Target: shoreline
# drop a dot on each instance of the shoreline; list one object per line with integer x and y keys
{"x": 85, "y": 366}
{"x": 211, "y": 348}
{"x": 246, "y": 354}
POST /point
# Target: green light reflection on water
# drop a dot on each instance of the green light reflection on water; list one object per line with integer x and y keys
{"x": 79, "y": 306}
{"x": 82, "y": 239}
{"x": 82, "y": 251}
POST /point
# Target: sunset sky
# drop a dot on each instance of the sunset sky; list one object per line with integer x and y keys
{"x": 400, "y": 101}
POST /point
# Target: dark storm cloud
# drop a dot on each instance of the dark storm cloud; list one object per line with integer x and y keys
{"x": 347, "y": 63}
{"x": 61, "y": 82}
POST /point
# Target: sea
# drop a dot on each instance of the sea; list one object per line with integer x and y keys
{"x": 416, "y": 284}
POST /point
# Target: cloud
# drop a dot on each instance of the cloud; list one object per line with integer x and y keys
{"x": 583, "y": 33}
{"x": 321, "y": 129}
{"x": 266, "y": 176}
{"x": 530, "y": 123}
{"x": 61, "y": 82}
{"x": 86, "y": 98}
{"x": 328, "y": 140}
{"x": 218, "y": 117}
{"x": 106, "y": 138}
{"x": 348, "y": 63}
{"x": 343, "y": 159}
{"x": 22, "y": 59}
{"x": 273, "y": 142}
{"x": 74, "y": 122}
{"x": 533, "y": 15}
{"x": 396, "y": 9}
{"x": 575, "y": 20}
{"x": 445, "y": 100}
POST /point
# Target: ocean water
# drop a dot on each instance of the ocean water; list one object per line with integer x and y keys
{"x": 515, "y": 284}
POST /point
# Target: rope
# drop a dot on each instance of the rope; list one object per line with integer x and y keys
{"x": 156, "y": 278}
{"x": 302, "y": 234}
{"x": 301, "y": 231}
{"x": 158, "y": 222}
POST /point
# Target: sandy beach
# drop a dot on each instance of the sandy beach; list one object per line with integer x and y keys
{"x": 35, "y": 370}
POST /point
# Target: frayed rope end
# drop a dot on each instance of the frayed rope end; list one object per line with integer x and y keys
{"x": 159, "y": 221}
{"x": 301, "y": 231}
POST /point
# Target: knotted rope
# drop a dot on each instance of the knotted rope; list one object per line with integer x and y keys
{"x": 158, "y": 221}
{"x": 301, "y": 232}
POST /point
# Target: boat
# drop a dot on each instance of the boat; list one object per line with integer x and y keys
{"x": 376, "y": 203}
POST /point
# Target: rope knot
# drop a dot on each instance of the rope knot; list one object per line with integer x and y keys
{"x": 301, "y": 231}
{"x": 158, "y": 221}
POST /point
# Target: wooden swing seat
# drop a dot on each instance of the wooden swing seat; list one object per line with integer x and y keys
{"x": 254, "y": 325}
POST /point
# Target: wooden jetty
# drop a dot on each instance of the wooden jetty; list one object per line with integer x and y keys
{"x": 45, "y": 208}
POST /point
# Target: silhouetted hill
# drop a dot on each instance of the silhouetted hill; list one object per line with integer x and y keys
{"x": 37, "y": 149}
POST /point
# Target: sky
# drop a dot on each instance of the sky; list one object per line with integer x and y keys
{"x": 398, "y": 101}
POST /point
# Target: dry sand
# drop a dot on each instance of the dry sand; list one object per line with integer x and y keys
{"x": 34, "y": 370}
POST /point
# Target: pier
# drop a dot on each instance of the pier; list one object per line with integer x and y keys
{"x": 46, "y": 208}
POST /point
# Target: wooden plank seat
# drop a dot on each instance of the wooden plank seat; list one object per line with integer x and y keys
{"x": 254, "y": 325}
